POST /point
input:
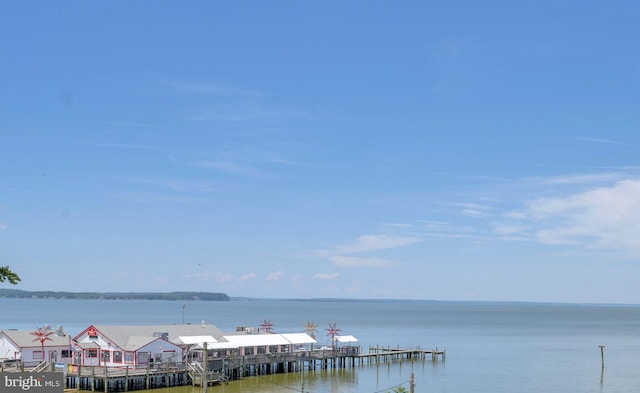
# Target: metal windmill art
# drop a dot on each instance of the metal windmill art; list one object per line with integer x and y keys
{"x": 333, "y": 331}
{"x": 266, "y": 326}
{"x": 311, "y": 329}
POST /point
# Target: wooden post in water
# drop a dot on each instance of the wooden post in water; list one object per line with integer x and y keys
{"x": 302, "y": 375}
{"x": 147, "y": 379}
{"x": 205, "y": 367}
{"x": 106, "y": 380}
{"x": 602, "y": 355}
{"x": 412, "y": 383}
{"x": 79, "y": 376}
{"x": 166, "y": 382}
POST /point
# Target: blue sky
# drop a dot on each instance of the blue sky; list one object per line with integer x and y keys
{"x": 457, "y": 150}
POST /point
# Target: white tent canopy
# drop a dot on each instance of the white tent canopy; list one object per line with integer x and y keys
{"x": 346, "y": 339}
{"x": 299, "y": 338}
{"x": 259, "y": 340}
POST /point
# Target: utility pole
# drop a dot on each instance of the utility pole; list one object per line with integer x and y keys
{"x": 602, "y": 355}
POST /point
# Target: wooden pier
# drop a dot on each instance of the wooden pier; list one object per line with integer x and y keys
{"x": 385, "y": 353}
{"x": 221, "y": 370}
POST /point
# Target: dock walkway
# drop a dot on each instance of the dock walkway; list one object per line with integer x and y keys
{"x": 385, "y": 353}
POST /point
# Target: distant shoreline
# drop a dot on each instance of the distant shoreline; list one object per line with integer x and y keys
{"x": 218, "y": 296}
{"x": 203, "y": 296}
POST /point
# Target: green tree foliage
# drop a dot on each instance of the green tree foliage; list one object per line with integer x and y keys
{"x": 7, "y": 275}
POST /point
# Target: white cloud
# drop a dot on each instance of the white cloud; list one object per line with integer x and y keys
{"x": 275, "y": 276}
{"x": 589, "y": 178}
{"x": 515, "y": 215}
{"x": 604, "y": 217}
{"x": 126, "y": 146}
{"x": 510, "y": 229}
{"x": 376, "y": 242}
{"x": 246, "y": 277}
{"x": 247, "y": 169}
{"x": 210, "y": 89}
{"x": 198, "y": 276}
{"x": 208, "y": 276}
{"x": 177, "y": 185}
{"x": 474, "y": 213}
{"x": 150, "y": 197}
{"x": 350, "y": 261}
{"x": 225, "y": 166}
{"x": 474, "y": 206}
{"x": 223, "y": 277}
{"x": 129, "y": 124}
{"x": 397, "y": 225}
{"x": 597, "y": 140}
{"x": 248, "y": 112}
{"x": 355, "y": 286}
{"x": 325, "y": 276}
{"x": 363, "y": 244}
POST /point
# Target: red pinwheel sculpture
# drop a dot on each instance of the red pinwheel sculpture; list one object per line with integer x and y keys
{"x": 266, "y": 326}
{"x": 42, "y": 335}
{"x": 333, "y": 331}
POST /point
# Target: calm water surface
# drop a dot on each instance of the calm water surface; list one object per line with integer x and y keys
{"x": 490, "y": 347}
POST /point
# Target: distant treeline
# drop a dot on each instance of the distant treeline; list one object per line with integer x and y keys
{"x": 208, "y": 296}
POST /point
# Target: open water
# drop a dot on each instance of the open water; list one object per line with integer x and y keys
{"x": 490, "y": 347}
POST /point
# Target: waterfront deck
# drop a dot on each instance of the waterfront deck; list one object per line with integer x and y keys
{"x": 122, "y": 379}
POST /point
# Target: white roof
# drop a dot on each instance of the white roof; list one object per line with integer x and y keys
{"x": 346, "y": 339}
{"x": 197, "y": 339}
{"x": 119, "y": 335}
{"x": 218, "y": 345}
{"x": 258, "y": 340}
{"x": 299, "y": 338}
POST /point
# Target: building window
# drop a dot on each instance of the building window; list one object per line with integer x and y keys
{"x": 66, "y": 353}
{"x": 262, "y": 350}
{"x": 37, "y": 355}
{"x": 248, "y": 351}
{"x": 117, "y": 356}
{"x": 143, "y": 357}
{"x": 106, "y": 356}
{"x": 128, "y": 357}
{"x": 273, "y": 349}
{"x": 92, "y": 353}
